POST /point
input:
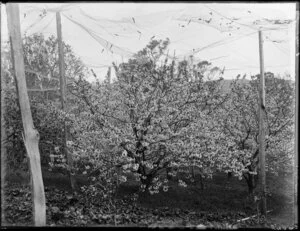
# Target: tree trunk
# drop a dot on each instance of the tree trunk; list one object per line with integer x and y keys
{"x": 229, "y": 176}
{"x": 251, "y": 182}
{"x": 250, "y": 187}
{"x": 31, "y": 135}
{"x": 168, "y": 170}
{"x": 193, "y": 174}
{"x": 201, "y": 182}
{"x": 147, "y": 181}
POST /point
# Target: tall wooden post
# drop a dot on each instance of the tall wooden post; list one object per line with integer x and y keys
{"x": 3, "y": 139}
{"x": 63, "y": 99}
{"x": 109, "y": 75}
{"x": 3, "y": 148}
{"x": 296, "y": 118}
{"x": 31, "y": 135}
{"x": 262, "y": 154}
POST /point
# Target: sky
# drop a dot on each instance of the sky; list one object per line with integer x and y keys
{"x": 224, "y": 34}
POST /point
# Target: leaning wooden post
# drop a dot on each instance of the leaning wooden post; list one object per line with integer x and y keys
{"x": 3, "y": 145}
{"x": 262, "y": 154}
{"x": 31, "y": 135}
{"x": 295, "y": 175}
{"x": 63, "y": 99}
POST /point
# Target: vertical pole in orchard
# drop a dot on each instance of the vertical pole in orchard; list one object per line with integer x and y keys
{"x": 31, "y": 135}
{"x": 262, "y": 155}
{"x": 63, "y": 99}
{"x": 296, "y": 118}
{"x": 109, "y": 75}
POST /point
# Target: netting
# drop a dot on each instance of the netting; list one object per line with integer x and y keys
{"x": 104, "y": 33}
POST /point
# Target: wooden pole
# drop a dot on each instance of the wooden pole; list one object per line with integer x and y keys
{"x": 3, "y": 145}
{"x": 261, "y": 128}
{"x": 296, "y": 118}
{"x": 31, "y": 135}
{"x": 63, "y": 99}
{"x": 109, "y": 75}
{"x": 3, "y": 151}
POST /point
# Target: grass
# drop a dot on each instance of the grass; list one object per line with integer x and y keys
{"x": 219, "y": 195}
{"x": 192, "y": 198}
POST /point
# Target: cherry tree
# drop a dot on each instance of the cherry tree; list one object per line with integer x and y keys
{"x": 240, "y": 145}
{"x": 42, "y": 74}
{"x": 155, "y": 115}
